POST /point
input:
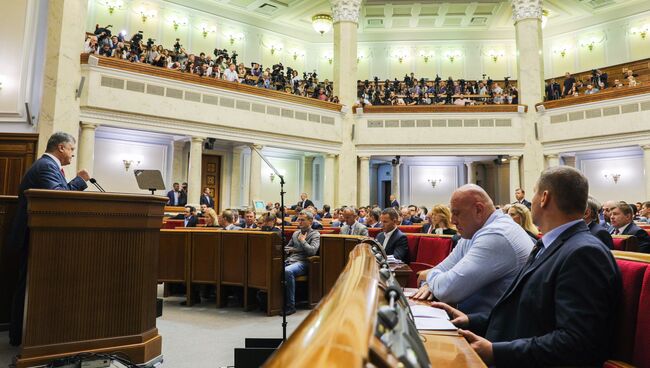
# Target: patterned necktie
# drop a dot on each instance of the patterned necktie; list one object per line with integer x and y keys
{"x": 62, "y": 172}
{"x": 536, "y": 248}
{"x": 616, "y": 232}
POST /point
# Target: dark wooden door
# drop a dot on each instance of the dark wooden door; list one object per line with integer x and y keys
{"x": 211, "y": 177}
{"x": 17, "y": 154}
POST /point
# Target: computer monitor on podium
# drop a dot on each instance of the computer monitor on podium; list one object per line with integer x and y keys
{"x": 259, "y": 206}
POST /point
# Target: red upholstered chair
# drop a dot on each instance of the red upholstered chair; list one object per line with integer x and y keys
{"x": 431, "y": 251}
{"x": 414, "y": 240}
{"x": 626, "y": 243}
{"x": 633, "y": 326}
{"x": 327, "y": 231}
{"x": 335, "y": 230}
{"x": 172, "y": 224}
{"x": 373, "y": 231}
{"x": 618, "y": 243}
{"x": 410, "y": 228}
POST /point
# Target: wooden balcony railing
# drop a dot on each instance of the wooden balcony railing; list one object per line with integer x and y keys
{"x": 441, "y": 109}
{"x": 147, "y": 69}
{"x": 604, "y": 95}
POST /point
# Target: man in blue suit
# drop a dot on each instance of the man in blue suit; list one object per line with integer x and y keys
{"x": 177, "y": 197}
{"x": 561, "y": 310}
{"x": 45, "y": 173}
{"x": 393, "y": 240}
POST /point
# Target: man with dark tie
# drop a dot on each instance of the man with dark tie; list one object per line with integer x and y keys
{"x": 249, "y": 220}
{"x": 351, "y": 226}
{"x": 393, "y": 240}
{"x": 562, "y": 308}
{"x": 304, "y": 202}
{"x": 621, "y": 217}
{"x": 206, "y": 198}
{"x": 591, "y": 219}
{"x": 373, "y": 218}
{"x": 46, "y": 173}
{"x": 177, "y": 197}
{"x": 190, "y": 219}
{"x": 520, "y": 195}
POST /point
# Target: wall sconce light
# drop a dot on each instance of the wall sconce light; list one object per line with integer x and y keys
{"x": 360, "y": 57}
{"x": 641, "y": 31}
{"x": 400, "y": 55}
{"x": 297, "y": 53}
{"x": 495, "y": 55}
{"x": 426, "y": 55}
{"x": 146, "y": 14}
{"x": 562, "y": 50}
{"x": 434, "y": 182}
{"x": 233, "y": 37}
{"x": 275, "y": 48}
{"x": 205, "y": 29}
{"x": 589, "y": 43}
{"x": 177, "y": 22}
{"x": 612, "y": 175}
{"x": 272, "y": 176}
{"x": 452, "y": 55}
{"x": 112, "y": 5}
{"x": 544, "y": 17}
{"x": 128, "y": 163}
{"x": 328, "y": 57}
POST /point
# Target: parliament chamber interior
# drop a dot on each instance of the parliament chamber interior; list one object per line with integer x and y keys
{"x": 325, "y": 183}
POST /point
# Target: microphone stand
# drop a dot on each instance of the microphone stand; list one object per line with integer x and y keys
{"x": 283, "y": 277}
{"x": 96, "y": 184}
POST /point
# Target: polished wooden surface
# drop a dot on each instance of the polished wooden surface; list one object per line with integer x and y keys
{"x": 91, "y": 275}
{"x": 338, "y": 332}
{"x": 632, "y": 256}
{"x": 607, "y": 94}
{"x": 8, "y": 259}
{"x": 147, "y": 69}
{"x": 440, "y": 109}
{"x": 334, "y": 250}
{"x": 447, "y": 350}
{"x": 17, "y": 154}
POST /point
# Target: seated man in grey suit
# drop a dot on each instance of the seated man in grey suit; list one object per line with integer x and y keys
{"x": 591, "y": 219}
{"x": 393, "y": 240}
{"x": 351, "y": 226}
{"x": 227, "y": 220}
{"x": 485, "y": 261}
{"x": 562, "y": 308}
{"x": 304, "y": 243}
{"x": 621, "y": 216}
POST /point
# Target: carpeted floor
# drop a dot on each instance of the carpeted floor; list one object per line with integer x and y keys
{"x": 201, "y": 336}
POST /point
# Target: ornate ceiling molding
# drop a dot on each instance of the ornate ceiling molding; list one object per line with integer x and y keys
{"x": 526, "y": 9}
{"x": 346, "y": 10}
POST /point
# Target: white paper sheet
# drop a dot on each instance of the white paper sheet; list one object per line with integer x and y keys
{"x": 434, "y": 324}
{"x": 427, "y": 311}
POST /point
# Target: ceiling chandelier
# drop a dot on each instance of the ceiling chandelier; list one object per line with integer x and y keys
{"x": 322, "y": 23}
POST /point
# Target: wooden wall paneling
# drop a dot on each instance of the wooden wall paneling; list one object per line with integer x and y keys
{"x": 173, "y": 259}
{"x": 17, "y": 154}
{"x": 233, "y": 260}
{"x": 264, "y": 267}
{"x": 206, "y": 253}
{"x": 332, "y": 255}
{"x": 8, "y": 259}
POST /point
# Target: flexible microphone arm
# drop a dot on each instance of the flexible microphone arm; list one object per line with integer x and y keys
{"x": 96, "y": 184}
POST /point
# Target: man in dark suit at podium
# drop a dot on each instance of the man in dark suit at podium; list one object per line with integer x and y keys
{"x": 46, "y": 173}
{"x": 206, "y": 198}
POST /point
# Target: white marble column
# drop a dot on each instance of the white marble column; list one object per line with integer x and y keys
{"x": 308, "y": 176}
{"x": 345, "y": 14}
{"x": 646, "y": 167}
{"x": 86, "y": 147}
{"x": 364, "y": 180}
{"x": 66, "y": 26}
{"x": 527, "y": 16}
{"x": 194, "y": 171}
{"x": 235, "y": 177}
{"x": 514, "y": 177}
{"x": 329, "y": 180}
{"x": 255, "y": 185}
{"x": 553, "y": 160}
{"x": 471, "y": 175}
{"x": 179, "y": 166}
{"x": 395, "y": 181}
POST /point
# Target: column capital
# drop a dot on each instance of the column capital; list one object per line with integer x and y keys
{"x": 364, "y": 158}
{"x": 526, "y": 9}
{"x": 85, "y": 125}
{"x": 646, "y": 147}
{"x": 258, "y": 147}
{"x": 514, "y": 158}
{"x": 331, "y": 155}
{"x": 552, "y": 155}
{"x": 345, "y": 10}
{"x": 197, "y": 139}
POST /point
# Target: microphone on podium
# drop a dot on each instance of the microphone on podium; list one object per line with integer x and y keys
{"x": 92, "y": 180}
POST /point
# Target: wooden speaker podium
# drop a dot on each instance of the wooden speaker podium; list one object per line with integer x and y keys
{"x": 91, "y": 281}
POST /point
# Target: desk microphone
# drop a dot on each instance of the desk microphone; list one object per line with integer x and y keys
{"x": 94, "y": 182}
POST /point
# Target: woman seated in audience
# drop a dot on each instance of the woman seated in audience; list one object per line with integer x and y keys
{"x": 521, "y": 215}
{"x": 210, "y": 218}
{"x": 441, "y": 220}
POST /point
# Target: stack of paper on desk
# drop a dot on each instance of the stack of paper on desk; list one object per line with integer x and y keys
{"x": 431, "y": 319}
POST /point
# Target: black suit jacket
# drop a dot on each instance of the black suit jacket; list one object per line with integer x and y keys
{"x": 192, "y": 221}
{"x": 560, "y": 310}
{"x": 394, "y": 204}
{"x": 641, "y": 235}
{"x": 398, "y": 245}
{"x": 601, "y": 233}
{"x": 307, "y": 203}
{"x": 524, "y": 202}
{"x": 207, "y": 200}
